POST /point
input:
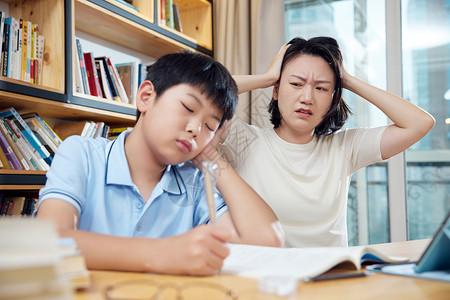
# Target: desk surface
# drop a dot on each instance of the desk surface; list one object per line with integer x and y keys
{"x": 376, "y": 286}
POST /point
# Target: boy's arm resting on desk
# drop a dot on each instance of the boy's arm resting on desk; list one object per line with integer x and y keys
{"x": 253, "y": 221}
{"x": 200, "y": 251}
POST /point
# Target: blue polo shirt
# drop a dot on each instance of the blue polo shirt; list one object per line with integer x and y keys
{"x": 93, "y": 176}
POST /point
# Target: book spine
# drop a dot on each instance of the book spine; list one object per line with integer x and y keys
{"x": 24, "y": 49}
{"x": 82, "y": 67}
{"x": 122, "y": 94}
{"x": 2, "y": 26}
{"x": 12, "y": 159}
{"x": 32, "y": 51}
{"x": 40, "y": 58}
{"x": 109, "y": 75}
{"x": 5, "y": 54}
{"x": 55, "y": 138}
{"x": 28, "y": 70}
{"x": 43, "y": 136}
{"x": 169, "y": 13}
{"x": 13, "y": 139}
{"x": 103, "y": 79}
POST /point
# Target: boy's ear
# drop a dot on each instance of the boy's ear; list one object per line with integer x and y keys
{"x": 145, "y": 96}
{"x": 275, "y": 91}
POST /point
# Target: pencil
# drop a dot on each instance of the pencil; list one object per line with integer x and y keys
{"x": 208, "y": 176}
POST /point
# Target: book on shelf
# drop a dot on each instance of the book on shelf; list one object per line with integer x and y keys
{"x": 127, "y": 4}
{"x": 3, "y": 160}
{"x": 300, "y": 263}
{"x": 81, "y": 128}
{"x": 2, "y": 26}
{"x": 91, "y": 71}
{"x": 13, "y": 142}
{"x": 13, "y": 115}
{"x": 110, "y": 78}
{"x": 6, "y": 48}
{"x": 19, "y": 203}
{"x": 40, "y": 57}
{"x": 36, "y": 119}
{"x": 114, "y": 132}
{"x": 169, "y": 14}
{"x": 77, "y": 78}
{"x": 36, "y": 264}
{"x": 177, "y": 18}
{"x": 80, "y": 58}
{"x": 25, "y": 38}
{"x": 163, "y": 12}
{"x": 142, "y": 73}
{"x": 115, "y": 76}
{"x": 128, "y": 74}
{"x": 104, "y": 85}
{"x": 31, "y": 154}
{"x": 9, "y": 153}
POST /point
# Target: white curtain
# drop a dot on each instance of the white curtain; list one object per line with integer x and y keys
{"x": 248, "y": 33}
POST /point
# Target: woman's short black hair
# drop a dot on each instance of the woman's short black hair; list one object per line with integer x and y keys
{"x": 328, "y": 49}
{"x": 197, "y": 70}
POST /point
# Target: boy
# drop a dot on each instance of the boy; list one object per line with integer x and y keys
{"x": 138, "y": 203}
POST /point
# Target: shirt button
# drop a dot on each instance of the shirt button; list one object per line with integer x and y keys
{"x": 138, "y": 228}
{"x": 138, "y": 205}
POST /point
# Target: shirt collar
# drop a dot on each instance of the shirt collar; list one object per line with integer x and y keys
{"x": 118, "y": 171}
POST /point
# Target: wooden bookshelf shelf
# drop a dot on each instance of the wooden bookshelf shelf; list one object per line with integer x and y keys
{"x": 55, "y": 99}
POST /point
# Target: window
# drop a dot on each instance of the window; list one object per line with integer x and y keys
{"x": 426, "y": 83}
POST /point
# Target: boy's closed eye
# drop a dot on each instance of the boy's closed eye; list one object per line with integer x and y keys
{"x": 210, "y": 127}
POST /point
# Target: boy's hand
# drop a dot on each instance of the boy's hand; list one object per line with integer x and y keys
{"x": 200, "y": 251}
{"x": 210, "y": 152}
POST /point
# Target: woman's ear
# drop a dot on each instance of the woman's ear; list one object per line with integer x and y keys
{"x": 276, "y": 87}
{"x": 145, "y": 96}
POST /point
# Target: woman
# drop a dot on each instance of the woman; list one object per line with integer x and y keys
{"x": 302, "y": 166}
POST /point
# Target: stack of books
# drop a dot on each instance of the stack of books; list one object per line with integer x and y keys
{"x": 26, "y": 141}
{"x": 36, "y": 264}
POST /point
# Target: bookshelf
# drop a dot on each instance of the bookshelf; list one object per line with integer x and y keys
{"x": 55, "y": 99}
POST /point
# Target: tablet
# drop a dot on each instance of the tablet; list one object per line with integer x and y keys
{"x": 437, "y": 255}
{"x": 434, "y": 262}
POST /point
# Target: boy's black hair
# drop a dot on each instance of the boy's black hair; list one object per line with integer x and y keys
{"x": 197, "y": 70}
{"x": 328, "y": 49}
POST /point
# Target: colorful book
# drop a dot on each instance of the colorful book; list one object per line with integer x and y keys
{"x": 82, "y": 67}
{"x": 91, "y": 70}
{"x": 47, "y": 129}
{"x": 6, "y": 57}
{"x": 19, "y": 151}
{"x": 110, "y": 77}
{"x": 104, "y": 85}
{"x": 169, "y": 14}
{"x": 177, "y": 18}
{"x": 13, "y": 115}
{"x": 40, "y": 57}
{"x": 128, "y": 76}
{"x": 4, "y": 161}
{"x": 11, "y": 157}
{"x": 24, "y": 49}
{"x": 2, "y": 26}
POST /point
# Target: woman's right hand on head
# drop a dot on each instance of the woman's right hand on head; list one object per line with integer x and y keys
{"x": 275, "y": 65}
{"x": 200, "y": 251}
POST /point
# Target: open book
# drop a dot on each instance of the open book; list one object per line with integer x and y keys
{"x": 301, "y": 263}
